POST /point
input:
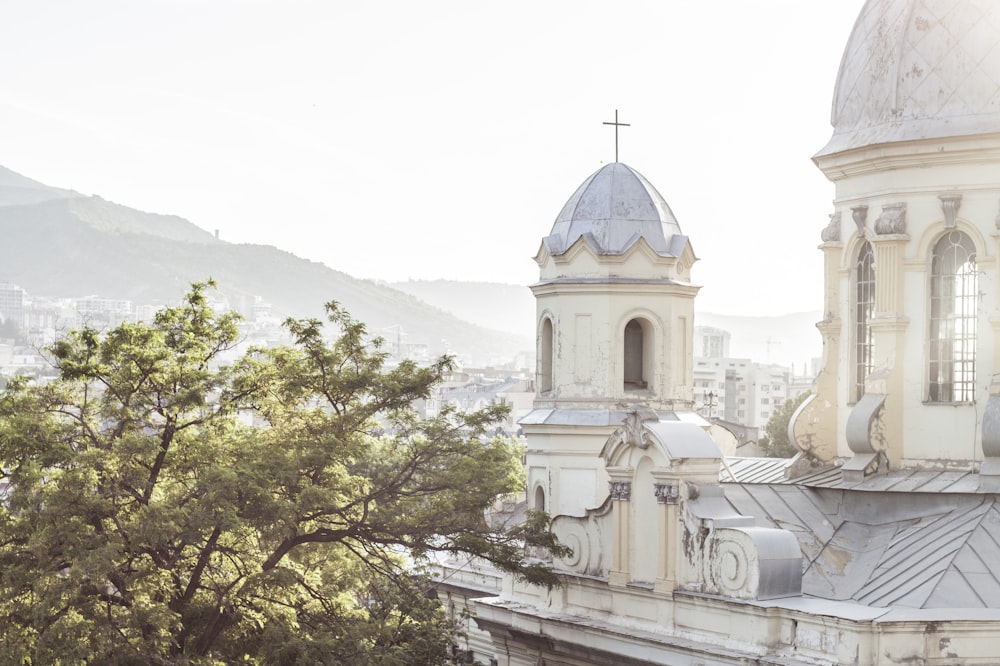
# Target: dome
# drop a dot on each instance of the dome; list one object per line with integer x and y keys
{"x": 612, "y": 209}
{"x": 918, "y": 69}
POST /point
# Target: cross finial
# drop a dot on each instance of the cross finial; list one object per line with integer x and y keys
{"x": 617, "y": 125}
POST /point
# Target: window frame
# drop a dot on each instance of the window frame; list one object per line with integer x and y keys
{"x": 863, "y": 285}
{"x": 952, "y": 319}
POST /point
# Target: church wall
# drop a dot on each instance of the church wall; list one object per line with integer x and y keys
{"x": 563, "y": 462}
{"x": 915, "y": 174}
{"x": 588, "y": 334}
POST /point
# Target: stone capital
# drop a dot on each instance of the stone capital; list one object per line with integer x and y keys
{"x": 620, "y": 490}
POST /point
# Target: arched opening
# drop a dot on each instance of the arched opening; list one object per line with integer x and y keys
{"x": 545, "y": 357}
{"x": 954, "y": 299}
{"x": 539, "y": 504}
{"x": 637, "y": 355}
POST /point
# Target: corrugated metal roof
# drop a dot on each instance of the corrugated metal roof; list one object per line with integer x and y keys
{"x": 756, "y": 470}
{"x": 884, "y": 548}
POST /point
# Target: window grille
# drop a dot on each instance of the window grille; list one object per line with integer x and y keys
{"x": 954, "y": 297}
{"x": 864, "y": 306}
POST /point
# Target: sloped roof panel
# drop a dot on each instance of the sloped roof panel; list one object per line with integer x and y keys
{"x": 888, "y": 548}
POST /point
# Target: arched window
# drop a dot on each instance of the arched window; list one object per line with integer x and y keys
{"x": 635, "y": 355}
{"x": 864, "y": 307}
{"x": 954, "y": 296}
{"x": 545, "y": 357}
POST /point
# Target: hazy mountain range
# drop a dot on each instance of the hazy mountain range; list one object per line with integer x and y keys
{"x": 60, "y": 243}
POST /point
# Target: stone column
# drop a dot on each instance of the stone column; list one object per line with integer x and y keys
{"x": 667, "y": 490}
{"x": 888, "y": 326}
{"x": 620, "y": 486}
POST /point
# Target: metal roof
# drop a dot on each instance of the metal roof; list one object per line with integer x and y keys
{"x": 587, "y": 417}
{"x": 885, "y": 547}
{"x": 917, "y": 69}
{"x": 756, "y": 470}
{"x": 904, "y": 480}
{"x": 612, "y": 210}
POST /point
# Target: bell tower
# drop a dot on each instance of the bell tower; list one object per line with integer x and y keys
{"x": 614, "y": 327}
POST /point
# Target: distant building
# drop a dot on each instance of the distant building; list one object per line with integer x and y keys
{"x": 711, "y": 342}
{"x": 96, "y": 310}
{"x": 11, "y": 303}
{"x": 741, "y": 391}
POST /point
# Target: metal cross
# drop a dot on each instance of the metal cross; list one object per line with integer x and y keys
{"x": 617, "y": 125}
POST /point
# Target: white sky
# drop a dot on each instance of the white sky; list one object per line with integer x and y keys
{"x": 424, "y": 140}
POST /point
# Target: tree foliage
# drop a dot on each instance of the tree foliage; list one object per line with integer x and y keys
{"x": 165, "y": 508}
{"x": 775, "y": 442}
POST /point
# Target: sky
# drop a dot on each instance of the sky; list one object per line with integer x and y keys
{"x": 398, "y": 140}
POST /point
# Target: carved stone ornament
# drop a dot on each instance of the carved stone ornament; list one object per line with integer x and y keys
{"x": 667, "y": 493}
{"x": 949, "y": 206}
{"x": 620, "y": 490}
{"x": 633, "y": 430}
{"x": 831, "y": 233}
{"x": 860, "y": 215}
{"x": 892, "y": 221}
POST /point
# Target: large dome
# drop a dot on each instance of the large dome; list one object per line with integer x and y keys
{"x": 918, "y": 69}
{"x": 612, "y": 209}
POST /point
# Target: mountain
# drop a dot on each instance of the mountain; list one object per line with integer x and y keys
{"x": 502, "y": 307}
{"x": 59, "y": 243}
{"x": 15, "y": 190}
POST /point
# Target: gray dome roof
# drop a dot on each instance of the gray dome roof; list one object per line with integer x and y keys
{"x": 918, "y": 69}
{"x": 611, "y": 210}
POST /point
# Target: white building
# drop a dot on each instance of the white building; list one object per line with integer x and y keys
{"x": 886, "y": 554}
{"x": 711, "y": 342}
{"x": 739, "y": 390}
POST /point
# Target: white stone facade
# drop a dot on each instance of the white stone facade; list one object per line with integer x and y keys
{"x": 887, "y": 554}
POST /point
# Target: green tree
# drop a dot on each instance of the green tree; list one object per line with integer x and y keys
{"x": 147, "y": 522}
{"x": 774, "y": 443}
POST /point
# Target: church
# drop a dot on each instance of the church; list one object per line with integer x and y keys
{"x": 883, "y": 545}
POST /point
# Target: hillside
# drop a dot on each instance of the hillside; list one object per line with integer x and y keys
{"x": 16, "y": 189}
{"x": 503, "y": 307}
{"x": 59, "y": 243}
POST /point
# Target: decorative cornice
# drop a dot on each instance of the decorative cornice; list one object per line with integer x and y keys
{"x": 950, "y": 204}
{"x": 889, "y": 323}
{"x": 879, "y": 158}
{"x": 892, "y": 221}
{"x": 860, "y": 215}
{"x": 831, "y": 232}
